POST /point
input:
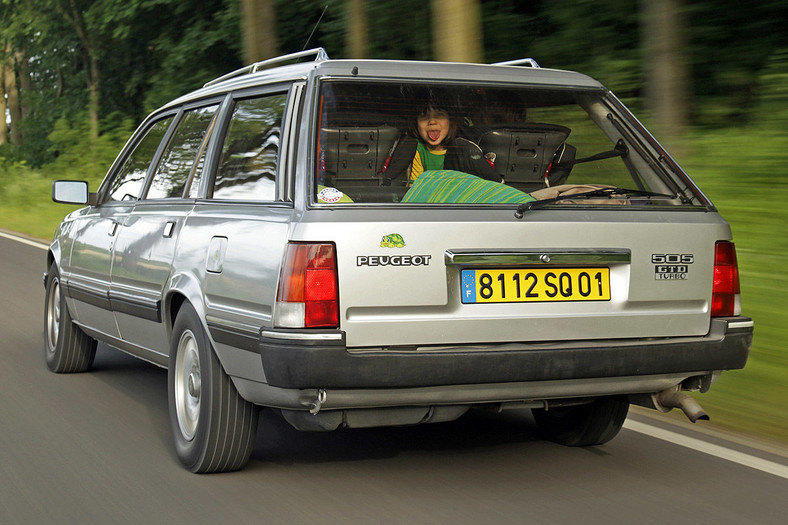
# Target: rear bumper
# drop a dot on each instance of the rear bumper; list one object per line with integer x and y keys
{"x": 320, "y": 359}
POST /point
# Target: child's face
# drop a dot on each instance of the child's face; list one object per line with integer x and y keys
{"x": 433, "y": 126}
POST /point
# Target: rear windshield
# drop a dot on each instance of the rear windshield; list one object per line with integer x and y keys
{"x": 472, "y": 144}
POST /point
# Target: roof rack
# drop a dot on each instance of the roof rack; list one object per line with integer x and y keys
{"x": 530, "y": 62}
{"x": 319, "y": 53}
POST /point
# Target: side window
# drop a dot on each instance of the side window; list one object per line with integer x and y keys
{"x": 250, "y": 155}
{"x": 130, "y": 178}
{"x": 180, "y": 162}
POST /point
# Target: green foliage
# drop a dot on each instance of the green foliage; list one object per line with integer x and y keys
{"x": 205, "y": 44}
{"x": 79, "y": 157}
{"x": 772, "y": 104}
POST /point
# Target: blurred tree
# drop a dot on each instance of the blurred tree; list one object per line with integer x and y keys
{"x": 114, "y": 60}
{"x": 597, "y": 37}
{"x": 511, "y": 28}
{"x": 25, "y": 79}
{"x": 731, "y": 42}
{"x": 14, "y": 105}
{"x": 457, "y": 30}
{"x": 258, "y": 25}
{"x": 665, "y": 50}
{"x": 90, "y": 37}
{"x": 357, "y": 42}
{"x": 3, "y": 109}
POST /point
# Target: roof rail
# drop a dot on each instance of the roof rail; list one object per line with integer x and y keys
{"x": 319, "y": 53}
{"x": 530, "y": 62}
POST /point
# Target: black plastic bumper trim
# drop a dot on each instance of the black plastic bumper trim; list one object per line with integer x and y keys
{"x": 321, "y": 364}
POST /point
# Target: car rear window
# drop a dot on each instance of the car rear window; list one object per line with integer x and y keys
{"x": 504, "y": 145}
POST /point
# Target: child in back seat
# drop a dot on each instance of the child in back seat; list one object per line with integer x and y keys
{"x": 436, "y": 146}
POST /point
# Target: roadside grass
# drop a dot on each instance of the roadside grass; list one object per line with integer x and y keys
{"x": 743, "y": 171}
{"x": 26, "y": 199}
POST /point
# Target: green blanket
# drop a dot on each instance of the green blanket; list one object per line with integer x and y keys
{"x": 447, "y": 186}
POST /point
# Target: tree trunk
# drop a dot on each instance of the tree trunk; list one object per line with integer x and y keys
{"x": 258, "y": 24}
{"x": 3, "y": 108}
{"x": 12, "y": 96}
{"x": 25, "y": 80}
{"x": 666, "y": 70}
{"x": 95, "y": 97}
{"x": 75, "y": 19}
{"x": 457, "y": 30}
{"x": 356, "y": 36}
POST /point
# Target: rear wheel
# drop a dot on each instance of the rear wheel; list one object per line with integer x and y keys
{"x": 213, "y": 427}
{"x": 67, "y": 348}
{"x": 593, "y": 423}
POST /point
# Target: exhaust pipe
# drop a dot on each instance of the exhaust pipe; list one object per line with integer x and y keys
{"x": 671, "y": 398}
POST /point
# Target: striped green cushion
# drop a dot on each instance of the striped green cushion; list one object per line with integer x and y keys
{"x": 448, "y": 186}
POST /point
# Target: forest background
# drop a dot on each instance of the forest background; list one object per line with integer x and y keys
{"x": 709, "y": 77}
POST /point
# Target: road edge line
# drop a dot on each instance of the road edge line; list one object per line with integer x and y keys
{"x": 718, "y": 451}
{"x": 23, "y": 240}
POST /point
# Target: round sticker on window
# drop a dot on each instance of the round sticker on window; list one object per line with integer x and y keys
{"x": 330, "y": 195}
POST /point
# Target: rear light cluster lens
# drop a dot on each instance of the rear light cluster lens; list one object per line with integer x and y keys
{"x": 725, "y": 294}
{"x": 308, "y": 294}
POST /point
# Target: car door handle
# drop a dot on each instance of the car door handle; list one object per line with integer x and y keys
{"x": 113, "y": 228}
{"x": 169, "y": 228}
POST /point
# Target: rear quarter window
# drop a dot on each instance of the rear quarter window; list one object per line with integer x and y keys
{"x": 249, "y": 161}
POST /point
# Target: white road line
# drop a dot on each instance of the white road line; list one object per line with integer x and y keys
{"x": 708, "y": 448}
{"x": 24, "y": 241}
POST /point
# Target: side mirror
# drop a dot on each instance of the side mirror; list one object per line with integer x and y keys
{"x": 72, "y": 192}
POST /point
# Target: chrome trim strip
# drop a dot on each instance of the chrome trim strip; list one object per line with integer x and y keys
{"x": 732, "y": 325}
{"x": 288, "y": 144}
{"x": 552, "y": 257}
{"x": 301, "y": 336}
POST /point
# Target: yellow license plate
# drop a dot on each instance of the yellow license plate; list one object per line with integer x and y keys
{"x": 532, "y": 285}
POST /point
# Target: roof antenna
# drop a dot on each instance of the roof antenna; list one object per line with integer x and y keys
{"x": 315, "y": 28}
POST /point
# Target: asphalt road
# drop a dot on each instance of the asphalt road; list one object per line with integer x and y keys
{"x": 95, "y": 448}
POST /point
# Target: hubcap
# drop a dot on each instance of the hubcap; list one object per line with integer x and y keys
{"x": 53, "y": 315}
{"x": 188, "y": 385}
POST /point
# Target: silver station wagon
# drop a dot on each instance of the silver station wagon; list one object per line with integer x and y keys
{"x": 357, "y": 243}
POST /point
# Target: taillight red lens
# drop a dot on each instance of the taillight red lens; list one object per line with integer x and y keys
{"x": 725, "y": 295}
{"x": 308, "y": 293}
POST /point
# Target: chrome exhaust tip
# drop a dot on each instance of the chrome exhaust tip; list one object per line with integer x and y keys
{"x": 671, "y": 398}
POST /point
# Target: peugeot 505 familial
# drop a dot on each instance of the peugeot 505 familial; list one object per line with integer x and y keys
{"x": 357, "y": 243}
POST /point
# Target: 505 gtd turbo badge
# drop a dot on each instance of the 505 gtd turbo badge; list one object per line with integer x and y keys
{"x": 671, "y": 266}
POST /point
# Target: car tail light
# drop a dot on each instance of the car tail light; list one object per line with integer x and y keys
{"x": 725, "y": 294}
{"x": 308, "y": 294}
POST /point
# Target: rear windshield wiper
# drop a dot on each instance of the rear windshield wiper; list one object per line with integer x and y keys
{"x": 610, "y": 193}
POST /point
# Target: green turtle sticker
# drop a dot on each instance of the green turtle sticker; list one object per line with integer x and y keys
{"x": 392, "y": 240}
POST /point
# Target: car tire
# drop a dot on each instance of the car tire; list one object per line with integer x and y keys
{"x": 589, "y": 424}
{"x": 213, "y": 427}
{"x": 67, "y": 349}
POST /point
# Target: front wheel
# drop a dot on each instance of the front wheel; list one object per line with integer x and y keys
{"x": 67, "y": 348}
{"x": 213, "y": 427}
{"x": 592, "y": 423}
